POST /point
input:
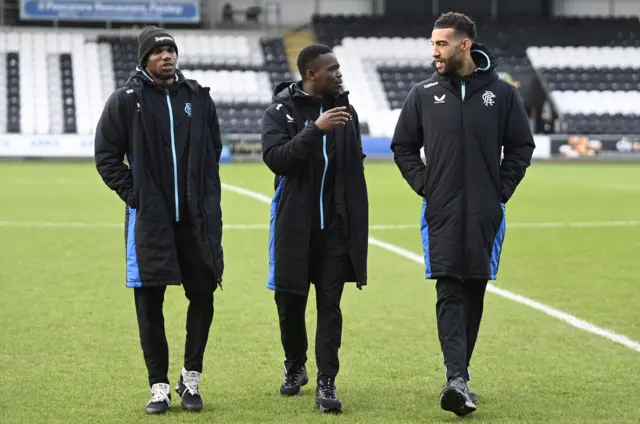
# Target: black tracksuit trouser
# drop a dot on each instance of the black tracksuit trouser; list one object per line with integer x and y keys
{"x": 199, "y": 285}
{"x": 459, "y": 312}
{"x": 329, "y": 258}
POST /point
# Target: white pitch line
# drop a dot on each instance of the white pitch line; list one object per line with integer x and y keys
{"x": 377, "y": 227}
{"x": 252, "y": 194}
{"x": 524, "y": 225}
{"x": 576, "y": 224}
{"x": 562, "y": 316}
{"x": 45, "y": 224}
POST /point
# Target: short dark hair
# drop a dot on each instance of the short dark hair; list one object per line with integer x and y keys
{"x": 460, "y": 22}
{"x": 309, "y": 54}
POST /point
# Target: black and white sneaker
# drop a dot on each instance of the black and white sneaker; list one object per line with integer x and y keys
{"x": 455, "y": 397}
{"x": 188, "y": 389}
{"x": 293, "y": 381}
{"x": 326, "y": 398}
{"x": 160, "y": 399}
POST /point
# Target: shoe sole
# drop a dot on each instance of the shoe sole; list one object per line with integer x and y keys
{"x": 454, "y": 401}
{"x": 156, "y": 412}
{"x": 283, "y": 392}
{"x": 326, "y": 409}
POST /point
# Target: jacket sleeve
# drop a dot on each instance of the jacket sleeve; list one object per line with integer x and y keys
{"x": 407, "y": 142}
{"x": 518, "y": 148}
{"x": 356, "y": 122}
{"x": 110, "y": 146}
{"x": 282, "y": 154}
{"x": 214, "y": 127}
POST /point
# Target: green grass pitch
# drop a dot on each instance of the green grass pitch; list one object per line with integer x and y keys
{"x": 69, "y": 347}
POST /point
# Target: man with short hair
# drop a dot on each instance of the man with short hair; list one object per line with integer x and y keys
{"x": 166, "y": 126}
{"x": 319, "y": 214}
{"x": 463, "y": 116}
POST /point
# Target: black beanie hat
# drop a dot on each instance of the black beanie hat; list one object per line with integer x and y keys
{"x": 150, "y": 38}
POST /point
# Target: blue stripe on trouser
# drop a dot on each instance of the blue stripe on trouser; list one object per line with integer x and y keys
{"x": 497, "y": 244}
{"x": 133, "y": 270}
{"x": 424, "y": 230}
{"x": 271, "y": 282}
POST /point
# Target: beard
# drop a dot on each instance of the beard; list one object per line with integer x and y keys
{"x": 165, "y": 76}
{"x": 451, "y": 66}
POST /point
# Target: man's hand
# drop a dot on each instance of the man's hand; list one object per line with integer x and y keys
{"x": 332, "y": 118}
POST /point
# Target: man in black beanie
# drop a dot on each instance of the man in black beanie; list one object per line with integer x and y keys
{"x": 167, "y": 128}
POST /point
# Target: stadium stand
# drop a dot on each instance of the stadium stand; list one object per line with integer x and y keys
{"x": 397, "y": 46}
{"x": 237, "y": 68}
{"x": 82, "y": 72}
{"x": 597, "y": 89}
{"x": 588, "y": 66}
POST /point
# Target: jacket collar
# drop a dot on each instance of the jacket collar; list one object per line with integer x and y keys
{"x": 289, "y": 92}
{"x": 140, "y": 78}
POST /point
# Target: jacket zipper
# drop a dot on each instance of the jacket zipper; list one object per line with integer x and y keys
{"x": 463, "y": 90}
{"x": 324, "y": 175}
{"x": 175, "y": 161}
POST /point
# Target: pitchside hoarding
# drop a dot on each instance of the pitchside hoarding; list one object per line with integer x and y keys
{"x": 57, "y": 146}
{"x": 187, "y": 11}
{"x": 249, "y": 147}
{"x": 596, "y": 146}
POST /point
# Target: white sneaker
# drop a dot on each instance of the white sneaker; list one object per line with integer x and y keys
{"x": 160, "y": 399}
{"x": 188, "y": 389}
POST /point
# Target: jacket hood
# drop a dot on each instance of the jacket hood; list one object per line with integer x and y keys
{"x": 483, "y": 58}
{"x": 286, "y": 91}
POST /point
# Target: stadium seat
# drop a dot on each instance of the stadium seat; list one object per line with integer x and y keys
{"x": 589, "y": 67}
{"x": 397, "y": 46}
{"x": 595, "y": 89}
{"x": 4, "y": 87}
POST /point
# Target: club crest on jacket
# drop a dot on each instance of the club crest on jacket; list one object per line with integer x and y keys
{"x": 488, "y": 97}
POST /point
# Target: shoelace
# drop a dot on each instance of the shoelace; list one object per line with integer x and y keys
{"x": 191, "y": 383}
{"x": 293, "y": 376}
{"x": 160, "y": 394}
{"x": 328, "y": 391}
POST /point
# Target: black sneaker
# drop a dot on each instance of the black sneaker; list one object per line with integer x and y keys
{"x": 326, "y": 398}
{"x": 187, "y": 388}
{"x": 455, "y": 397}
{"x": 294, "y": 380}
{"x": 160, "y": 399}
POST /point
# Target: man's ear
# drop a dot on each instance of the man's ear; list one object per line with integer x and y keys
{"x": 465, "y": 45}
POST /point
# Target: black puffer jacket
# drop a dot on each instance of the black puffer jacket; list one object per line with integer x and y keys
{"x": 465, "y": 184}
{"x": 171, "y": 139}
{"x": 318, "y": 178}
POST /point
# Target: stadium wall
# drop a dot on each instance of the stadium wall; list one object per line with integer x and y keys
{"x": 297, "y": 12}
{"x": 596, "y": 8}
{"x": 236, "y": 148}
{"x": 247, "y": 148}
